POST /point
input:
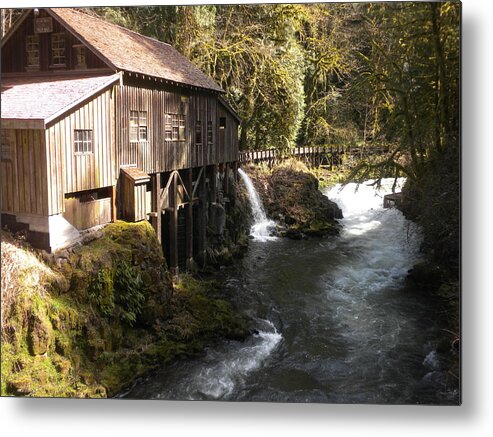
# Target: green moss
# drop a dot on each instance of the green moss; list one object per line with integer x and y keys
{"x": 71, "y": 344}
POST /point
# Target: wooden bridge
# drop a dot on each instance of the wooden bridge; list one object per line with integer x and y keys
{"x": 312, "y": 156}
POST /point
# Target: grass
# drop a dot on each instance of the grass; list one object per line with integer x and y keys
{"x": 64, "y": 342}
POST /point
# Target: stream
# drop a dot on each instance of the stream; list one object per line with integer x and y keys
{"x": 334, "y": 319}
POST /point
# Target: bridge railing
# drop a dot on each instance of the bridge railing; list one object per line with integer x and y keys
{"x": 316, "y": 156}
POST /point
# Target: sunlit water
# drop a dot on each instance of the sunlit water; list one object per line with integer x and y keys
{"x": 262, "y": 227}
{"x": 334, "y": 320}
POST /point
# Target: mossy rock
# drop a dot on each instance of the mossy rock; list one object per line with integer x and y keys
{"x": 20, "y": 385}
{"x": 40, "y": 335}
{"x": 426, "y": 275}
{"x": 291, "y": 196}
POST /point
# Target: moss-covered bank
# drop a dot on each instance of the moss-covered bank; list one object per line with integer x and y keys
{"x": 106, "y": 313}
{"x": 291, "y": 196}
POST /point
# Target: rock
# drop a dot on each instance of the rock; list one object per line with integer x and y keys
{"x": 426, "y": 275}
{"x": 46, "y": 257}
{"x": 290, "y": 194}
{"x": 293, "y": 234}
{"x": 40, "y": 335}
{"x": 19, "y": 386}
{"x": 60, "y": 262}
{"x": 217, "y": 219}
{"x": 63, "y": 254}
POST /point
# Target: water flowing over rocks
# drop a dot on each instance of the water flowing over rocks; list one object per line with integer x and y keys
{"x": 291, "y": 196}
{"x": 334, "y": 320}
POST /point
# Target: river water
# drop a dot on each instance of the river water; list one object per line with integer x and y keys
{"x": 334, "y": 320}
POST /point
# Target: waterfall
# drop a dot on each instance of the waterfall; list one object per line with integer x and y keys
{"x": 262, "y": 226}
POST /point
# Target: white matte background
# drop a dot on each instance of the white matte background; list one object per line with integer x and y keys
{"x": 74, "y": 418}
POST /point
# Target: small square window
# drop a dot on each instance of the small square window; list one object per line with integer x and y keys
{"x": 174, "y": 127}
{"x": 142, "y": 133}
{"x": 222, "y": 122}
{"x": 83, "y": 141}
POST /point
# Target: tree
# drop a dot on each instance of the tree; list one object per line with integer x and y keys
{"x": 411, "y": 75}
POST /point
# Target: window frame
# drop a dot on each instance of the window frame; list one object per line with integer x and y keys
{"x": 138, "y": 127}
{"x": 33, "y": 41}
{"x": 210, "y": 132}
{"x": 222, "y": 122}
{"x": 80, "y": 55}
{"x": 175, "y": 127}
{"x": 6, "y": 147}
{"x": 86, "y": 142}
{"x": 58, "y": 49}
{"x": 198, "y": 133}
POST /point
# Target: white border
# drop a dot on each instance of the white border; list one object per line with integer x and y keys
{"x": 52, "y": 417}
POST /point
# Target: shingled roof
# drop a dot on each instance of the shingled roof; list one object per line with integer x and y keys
{"x": 129, "y": 51}
{"x": 42, "y": 99}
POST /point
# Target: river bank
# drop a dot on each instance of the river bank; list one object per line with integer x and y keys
{"x": 105, "y": 314}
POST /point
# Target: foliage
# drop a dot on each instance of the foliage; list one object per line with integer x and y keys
{"x": 129, "y": 290}
{"x": 111, "y": 326}
{"x": 410, "y": 80}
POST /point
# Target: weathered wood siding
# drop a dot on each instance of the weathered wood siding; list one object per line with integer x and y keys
{"x": 24, "y": 187}
{"x": 14, "y": 57}
{"x": 85, "y": 215}
{"x": 227, "y": 137}
{"x": 160, "y": 155}
{"x": 134, "y": 200}
{"x": 71, "y": 172}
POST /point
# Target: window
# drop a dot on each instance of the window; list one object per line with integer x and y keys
{"x": 58, "y": 48}
{"x": 222, "y": 122}
{"x": 210, "y": 138}
{"x": 174, "y": 127}
{"x": 32, "y": 50}
{"x": 138, "y": 126}
{"x": 168, "y": 127}
{"x": 198, "y": 132}
{"x": 6, "y": 147}
{"x": 83, "y": 141}
{"x": 80, "y": 56}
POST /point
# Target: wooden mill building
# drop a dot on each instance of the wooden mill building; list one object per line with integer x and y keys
{"x": 99, "y": 123}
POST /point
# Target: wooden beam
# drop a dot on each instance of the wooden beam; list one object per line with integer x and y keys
{"x": 173, "y": 224}
{"x": 213, "y": 183}
{"x": 113, "y": 203}
{"x": 202, "y": 219}
{"x": 226, "y": 179}
{"x": 183, "y": 185}
{"x": 197, "y": 182}
{"x": 156, "y": 204}
{"x": 189, "y": 222}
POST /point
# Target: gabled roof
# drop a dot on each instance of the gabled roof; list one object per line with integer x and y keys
{"x": 42, "y": 99}
{"x": 126, "y": 50}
